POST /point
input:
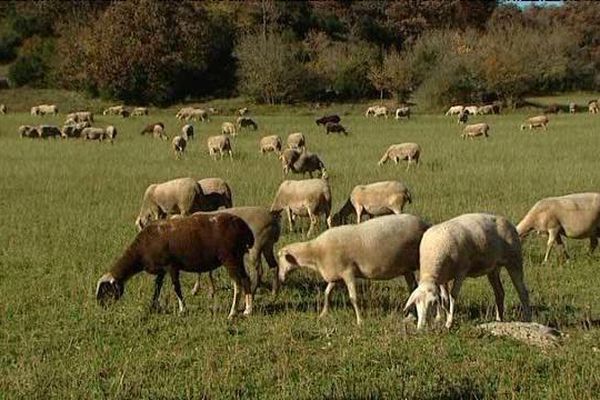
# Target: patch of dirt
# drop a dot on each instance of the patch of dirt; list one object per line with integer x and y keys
{"x": 530, "y": 333}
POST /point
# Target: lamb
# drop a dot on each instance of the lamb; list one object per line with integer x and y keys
{"x": 178, "y": 196}
{"x": 377, "y": 111}
{"x": 159, "y": 132}
{"x": 270, "y": 143}
{"x": 114, "y": 110}
{"x": 187, "y": 132}
{"x": 243, "y": 111}
{"x": 474, "y": 130}
{"x": 403, "y": 112}
{"x": 28, "y": 131}
{"x": 539, "y": 121}
{"x": 220, "y": 144}
{"x": 139, "y": 111}
{"x": 228, "y": 128}
{"x": 455, "y": 110}
{"x": 179, "y": 143}
{"x": 80, "y": 116}
{"x": 336, "y": 128}
{"x": 2, "y": 109}
{"x": 46, "y": 131}
{"x": 404, "y": 151}
{"x": 574, "y": 216}
{"x": 470, "y": 245}
{"x": 328, "y": 118}
{"x": 199, "y": 243}
{"x": 217, "y": 193}
{"x": 296, "y": 140}
{"x": 244, "y": 122}
{"x": 307, "y": 198}
{"x": 265, "y": 226}
{"x": 150, "y": 128}
{"x": 364, "y": 251}
{"x": 593, "y": 107}
{"x": 375, "y": 199}
{"x": 472, "y": 110}
{"x": 44, "y": 109}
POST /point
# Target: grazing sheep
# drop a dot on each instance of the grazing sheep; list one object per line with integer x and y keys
{"x": 487, "y": 109}
{"x": 552, "y": 109}
{"x": 574, "y": 216}
{"x": 403, "y": 112}
{"x": 335, "y": 128}
{"x": 198, "y": 114}
{"x": 287, "y": 158}
{"x": 80, "y": 116}
{"x": 265, "y": 226}
{"x": 46, "y": 131}
{"x": 228, "y": 128}
{"x": 572, "y": 108}
{"x": 199, "y": 243}
{"x": 463, "y": 117}
{"x": 217, "y": 194}
{"x": 150, "y": 128}
{"x": 301, "y": 162}
{"x": 74, "y": 130}
{"x": 139, "y": 111}
{"x": 219, "y": 144}
{"x": 328, "y": 118}
{"x": 375, "y": 199}
{"x": 470, "y": 245}
{"x": 99, "y": 134}
{"x": 593, "y": 107}
{"x": 307, "y": 198}
{"x": 213, "y": 110}
{"x": 159, "y": 132}
{"x": 184, "y": 113}
{"x": 472, "y": 110}
{"x": 377, "y": 111}
{"x": 44, "y": 109}
{"x": 380, "y": 249}
{"x": 455, "y": 110}
{"x": 243, "y": 111}
{"x": 270, "y": 143}
{"x": 539, "y": 121}
{"x": 114, "y": 110}
{"x": 2, "y": 109}
{"x": 244, "y": 122}
{"x": 28, "y": 131}
{"x": 296, "y": 140}
{"x": 187, "y": 131}
{"x": 475, "y": 130}
{"x": 178, "y": 196}
{"x": 111, "y": 133}
{"x": 404, "y": 151}
{"x": 179, "y": 143}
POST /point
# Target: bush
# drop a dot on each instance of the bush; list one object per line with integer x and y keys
{"x": 33, "y": 66}
{"x": 8, "y": 46}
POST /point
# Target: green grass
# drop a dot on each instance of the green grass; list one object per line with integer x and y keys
{"x": 68, "y": 209}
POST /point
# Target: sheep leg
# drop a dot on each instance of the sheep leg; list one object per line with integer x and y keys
{"x": 408, "y": 163}
{"x": 254, "y": 260}
{"x": 288, "y": 212}
{"x": 239, "y": 276}
{"x": 313, "y": 221}
{"x": 358, "y": 214}
{"x": 516, "y": 276}
{"x": 158, "y": 282}
{"x": 211, "y": 285}
{"x": 236, "y": 291}
{"x": 452, "y": 298}
{"x": 552, "y": 235}
{"x": 350, "y": 282}
{"x": 272, "y": 262}
{"x": 563, "y": 246}
{"x": 328, "y": 290}
{"x": 494, "y": 279}
{"x": 411, "y": 283}
{"x": 174, "y": 273}
{"x": 593, "y": 243}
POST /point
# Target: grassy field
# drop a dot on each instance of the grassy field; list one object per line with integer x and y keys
{"x": 68, "y": 211}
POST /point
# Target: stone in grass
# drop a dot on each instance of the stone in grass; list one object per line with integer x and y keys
{"x": 530, "y": 333}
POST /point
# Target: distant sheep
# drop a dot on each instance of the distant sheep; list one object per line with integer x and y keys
{"x": 44, "y": 109}
{"x": 219, "y": 144}
{"x": 574, "y": 216}
{"x": 403, "y": 112}
{"x": 187, "y": 131}
{"x": 245, "y": 122}
{"x": 184, "y": 113}
{"x": 301, "y": 162}
{"x": 572, "y": 108}
{"x": 99, "y": 134}
{"x": 471, "y": 245}
{"x": 335, "y": 128}
{"x": 552, "y": 109}
{"x": 487, "y": 109}
{"x": 228, "y": 128}
{"x": 159, "y": 132}
{"x": 114, "y": 110}
{"x": 46, "y": 131}
{"x": 270, "y": 143}
{"x": 475, "y": 130}
{"x": 296, "y": 140}
{"x": 472, "y": 110}
{"x": 539, "y": 121}
{"x": 2, "y": 109}
{"x": 328, "y": 118}
{"x": 74, "y": 130}
{"x": 243, "y": 111}
{"x": 28, "y": 131}
{"x": 150, "y": 128}
{"x": 139, "y": 111}
{"x": 593, "y": 107}
{"x": 410, "y": 152}
{"x": 80, "y": 116}
{"x": 377, "y": 111}
{"x": 199, "y": 114}
{"x": 306, "y": 198}
{"x": 178, "y": 144}
{"x": 463, "y": 117}
{"x": 455, "y": 110}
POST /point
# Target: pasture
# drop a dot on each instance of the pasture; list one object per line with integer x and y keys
{"x": 68, "y": 209}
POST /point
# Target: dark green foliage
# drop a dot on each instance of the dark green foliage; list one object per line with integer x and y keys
{"x": 9, "y": 42}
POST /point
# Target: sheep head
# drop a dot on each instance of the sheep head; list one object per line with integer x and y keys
{"x": 108, "y": 289}
{"x": 426, "y": 298}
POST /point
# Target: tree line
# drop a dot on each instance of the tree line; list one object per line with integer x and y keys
{"x": 431, "y": 51}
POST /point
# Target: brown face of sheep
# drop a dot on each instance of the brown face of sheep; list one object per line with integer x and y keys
{"x": 108, "y": 290}
{"x": 287, "y": 263}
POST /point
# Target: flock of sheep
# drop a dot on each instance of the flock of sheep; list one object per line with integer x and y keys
{"x": 189, "y": 225}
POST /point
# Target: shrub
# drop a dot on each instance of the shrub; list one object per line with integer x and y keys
{"x": 8, "y": 46}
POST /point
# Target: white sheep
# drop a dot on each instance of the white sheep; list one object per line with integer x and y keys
{"x": 470, "y": 245}
{"x": 99, "y": 134}
{"x": 243, "y": 111}
{"x": 403, "y": 112}
{"x": 219, "y": 144}
{"x": 178, "y": 144}
{"x": 455, "y": 110}
{"x": 375, "y": 199}
{"x": 28, "y": 131}
{"x": 270, "y": 143}
{"x": 184, "y": 113}
{"x": 228, "y": 128}
{"x": 572, "y": 108}
{"x": 472, "y": 110}
{"x": 178, "y": 196}
{"x": 44, "y": 109}
{"x": 46, "y": 131}
{"x": 296, "y": 140}
{"x": 199, "y": 114}
{"x": 2, "y": 109}
{"x": 187, "y": 131}
{"x": 139, "y": 111}
{"x": 80, "y": 116}
{"x": 403, "y": 151}
{"x": 380, "y": 249}
{"x": 307, "y": 198}
{"x": 474, "y": 130}
{"x": 487, "y": 109}
{"x": 377, "y": 111}
{"x": 593, "y": 107}
{"x": 539, "y": 121}
{"x": 114, "y": 110}
{"x": 574, "y": 216}
{"x": 158, "y": 132}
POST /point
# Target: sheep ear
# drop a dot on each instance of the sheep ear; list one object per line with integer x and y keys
{"x": 291, "y": 259}
{"x": 414, "y": 296}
